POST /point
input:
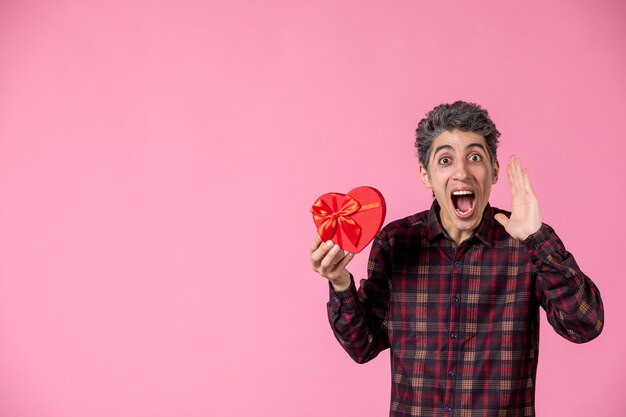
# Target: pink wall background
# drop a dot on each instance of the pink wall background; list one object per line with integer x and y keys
{"x": 158, "y": 160}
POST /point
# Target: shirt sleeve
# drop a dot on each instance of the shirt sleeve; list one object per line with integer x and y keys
{"x": 571, "y": 300}
{"x": 359, "y": 318}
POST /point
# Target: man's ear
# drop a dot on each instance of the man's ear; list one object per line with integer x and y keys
{"x": 496, "y": 171}
{"x": 425, "y": 177}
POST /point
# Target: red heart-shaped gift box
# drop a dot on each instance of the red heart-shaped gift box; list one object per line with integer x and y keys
{"x": 350, "y": 220}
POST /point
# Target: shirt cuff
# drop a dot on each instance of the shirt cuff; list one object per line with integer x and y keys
{"x": 538, "y": 241}
{"x": 346, "y": 298}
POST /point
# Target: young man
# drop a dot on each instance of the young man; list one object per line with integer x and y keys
{"x": 455, "y": 291}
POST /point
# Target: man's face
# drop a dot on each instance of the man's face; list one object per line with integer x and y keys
{"x": 460, "y": 174}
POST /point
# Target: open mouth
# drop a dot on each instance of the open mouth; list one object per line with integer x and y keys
{"x": 463, "y": 202}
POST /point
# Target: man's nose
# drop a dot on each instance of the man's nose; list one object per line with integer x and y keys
{"x": 460, "y": 170}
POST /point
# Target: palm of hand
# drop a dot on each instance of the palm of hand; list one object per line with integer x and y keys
{"x": 525, "y": 216}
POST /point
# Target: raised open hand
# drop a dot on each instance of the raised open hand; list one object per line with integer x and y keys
{"x": 525, "y": 217}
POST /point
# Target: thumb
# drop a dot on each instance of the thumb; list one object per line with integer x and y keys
{"x": 502, "y": 219}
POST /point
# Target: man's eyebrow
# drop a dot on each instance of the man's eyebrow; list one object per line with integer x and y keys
{"x": 440, "y": 147}
{"x": 476, "y": 145}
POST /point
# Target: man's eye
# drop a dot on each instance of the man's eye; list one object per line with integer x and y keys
{"x": 445, "y": 160}
{"x": 475, "y": 158}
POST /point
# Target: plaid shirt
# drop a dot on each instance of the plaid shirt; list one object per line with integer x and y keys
{"x": 463, "y": 322}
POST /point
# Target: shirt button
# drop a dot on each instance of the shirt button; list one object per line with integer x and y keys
{"x": 448, "y": 409}
{"x": 336, "y": 299}
{"x": 454, "y": 335}
{"x": 458, "y": 264}
{"x": 451, "y": 373}
{"x": 537, "y": 245}
{"x": 457, "y": 300}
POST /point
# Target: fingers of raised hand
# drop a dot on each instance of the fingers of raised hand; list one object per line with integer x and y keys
{"x": 515, "y": 174}
{"x": 502, "y": 219}
{"x": 519, "y": 179}
{"x": 527, "y": 185}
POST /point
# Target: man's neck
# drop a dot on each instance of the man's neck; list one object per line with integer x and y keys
{"x": 458, "y": 235}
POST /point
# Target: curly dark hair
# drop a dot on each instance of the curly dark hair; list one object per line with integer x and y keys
{"x": 461, "y": 115}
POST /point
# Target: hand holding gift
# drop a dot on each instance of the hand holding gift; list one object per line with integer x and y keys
{"x": 345, "y": 222}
